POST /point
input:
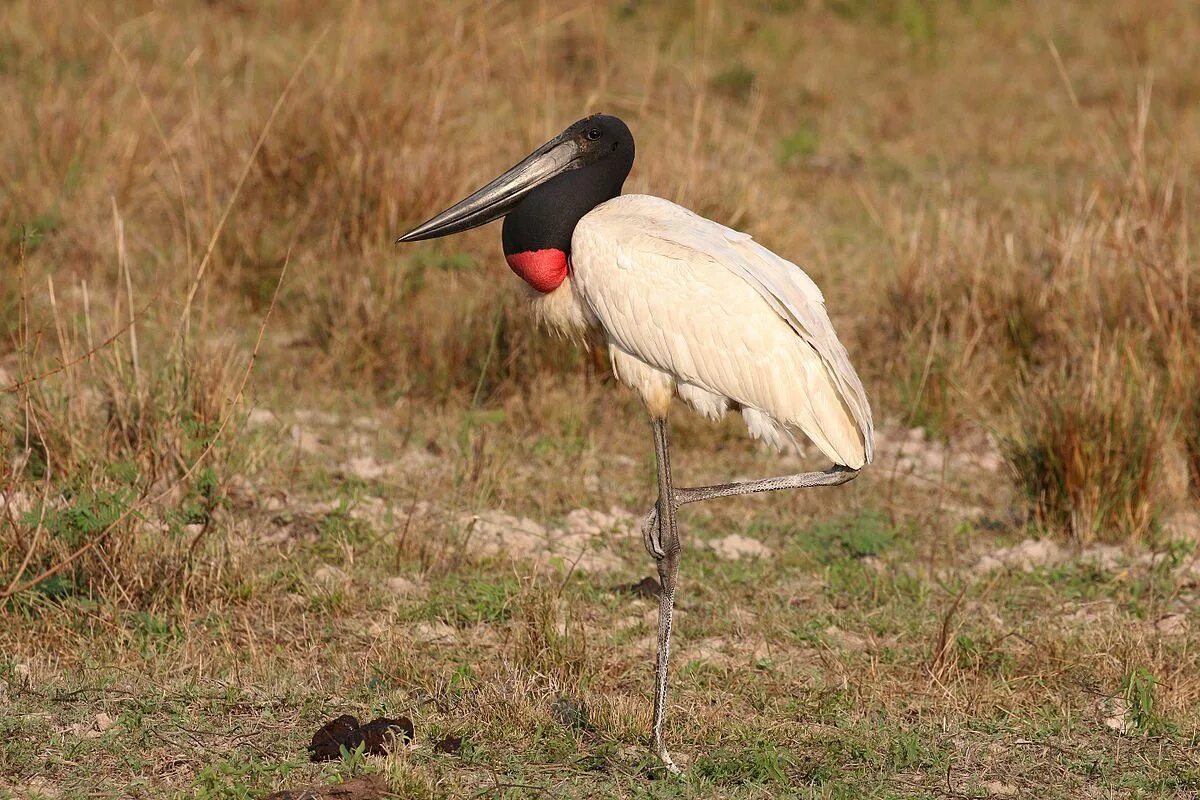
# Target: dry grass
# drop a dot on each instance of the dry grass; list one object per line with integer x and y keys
{"x": 1089, "y": 448}
{"x": 996, "y": 198}
{"x": 99, "y": 433}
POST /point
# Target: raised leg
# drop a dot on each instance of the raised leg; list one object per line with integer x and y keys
{"x": 834, "y": 476}
{"x": 663, "y": 544}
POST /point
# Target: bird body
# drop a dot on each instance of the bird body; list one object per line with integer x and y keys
{"x": 688, "y": 308}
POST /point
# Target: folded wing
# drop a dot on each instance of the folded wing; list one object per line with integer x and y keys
{"x": 712, "y": 307}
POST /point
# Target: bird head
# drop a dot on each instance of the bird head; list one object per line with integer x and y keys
{"x": 544, "y": 196}
{"x": 599, "y": 144}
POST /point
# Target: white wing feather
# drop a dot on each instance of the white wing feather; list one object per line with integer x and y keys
{"x": 642, "y": 233}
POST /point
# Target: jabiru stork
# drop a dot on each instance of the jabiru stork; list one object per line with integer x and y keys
{"x": 688, "y": 307}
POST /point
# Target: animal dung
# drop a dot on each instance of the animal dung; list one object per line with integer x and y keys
{"x": 368, "y": 787}
{"x": 448, "y": 744}
{"x": 375, "y": 734}
{"x": 344, "y": 731}
{"x": 326, "y": 743}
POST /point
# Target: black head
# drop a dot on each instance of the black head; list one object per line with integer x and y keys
{"x": 601, "y": 138}
{"x": 566, "y": 177}
{"x": 546, "y": 217}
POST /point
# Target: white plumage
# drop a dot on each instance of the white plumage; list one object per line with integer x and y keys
{"x": 691, "y": 307}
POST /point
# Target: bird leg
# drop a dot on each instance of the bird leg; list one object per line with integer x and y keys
{"x": 834, "y": 476}
{"x": 660, "y": 535}
{"x": 663, "y": 544}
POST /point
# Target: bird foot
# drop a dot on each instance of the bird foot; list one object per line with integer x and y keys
{"x": 670, "y": 766}
{"x": 650, "y": 533}
{"x": 649, "y": 529}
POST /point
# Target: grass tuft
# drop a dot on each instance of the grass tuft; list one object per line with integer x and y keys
{"x": 1088, "y": 450}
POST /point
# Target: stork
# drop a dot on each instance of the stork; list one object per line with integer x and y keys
{"x": 687, "y": 307}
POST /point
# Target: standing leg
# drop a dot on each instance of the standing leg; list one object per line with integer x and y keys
{"x": 664, "y": 546}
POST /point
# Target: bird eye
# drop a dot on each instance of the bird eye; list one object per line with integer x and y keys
{"x": 594, "y": 134}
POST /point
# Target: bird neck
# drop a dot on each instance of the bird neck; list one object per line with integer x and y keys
{"x": 537, "y": 233}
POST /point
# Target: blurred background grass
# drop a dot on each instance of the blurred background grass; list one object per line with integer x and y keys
{"x": 996, "y": 198}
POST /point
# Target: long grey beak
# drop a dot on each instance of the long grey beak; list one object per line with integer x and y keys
{"x": 556, "y": 156}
